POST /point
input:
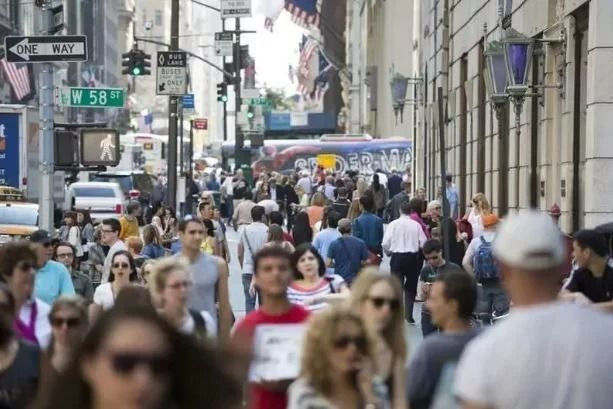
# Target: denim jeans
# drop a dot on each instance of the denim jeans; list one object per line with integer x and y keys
{"x": 492, "y": 298}
{"x": 249, "y": 300}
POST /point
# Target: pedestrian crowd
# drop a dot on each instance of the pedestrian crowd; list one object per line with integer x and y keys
{"x": 124, "y": 314}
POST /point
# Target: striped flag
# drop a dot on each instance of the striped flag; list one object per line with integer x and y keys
{"x": 304, "y": 12}
{"x": 309, "y": 46}
{"x": 18, "y": 76}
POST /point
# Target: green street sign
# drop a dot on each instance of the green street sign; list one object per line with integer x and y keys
{"x": 259, "y": 101}
{"x": 90, "y": 97}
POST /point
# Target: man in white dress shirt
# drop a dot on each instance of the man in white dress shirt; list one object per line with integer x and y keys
{"x": 403, "y": 239}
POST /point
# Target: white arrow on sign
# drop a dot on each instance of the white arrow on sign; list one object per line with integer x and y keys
{"x": 24, "y": 49}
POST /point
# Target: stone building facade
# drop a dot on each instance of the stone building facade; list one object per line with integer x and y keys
{"x": 564, "y": 154}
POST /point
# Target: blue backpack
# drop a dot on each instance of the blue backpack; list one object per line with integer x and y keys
{"x": 483, "y": 262}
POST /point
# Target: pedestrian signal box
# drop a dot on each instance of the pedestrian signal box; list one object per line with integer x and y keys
{"x": 100, "y": 147}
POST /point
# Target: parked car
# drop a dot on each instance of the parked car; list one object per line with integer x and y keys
{"x": 136, "y": 185}
{"x": 102, "y": 199}
{"x": 17, "y": 220}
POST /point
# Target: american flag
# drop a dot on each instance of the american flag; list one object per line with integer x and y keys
{"x": 308, "y": 49}
{"x": 18, "y": 76}
{"x": 304, "y": 12}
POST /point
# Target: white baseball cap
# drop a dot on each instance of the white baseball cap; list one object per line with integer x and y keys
{"x": 529, "y": 240}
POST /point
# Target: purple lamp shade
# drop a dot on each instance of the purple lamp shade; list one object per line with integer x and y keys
{"x": 519, "y": 61}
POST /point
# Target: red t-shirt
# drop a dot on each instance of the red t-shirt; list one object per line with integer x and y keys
{"x": 263, "y": 398}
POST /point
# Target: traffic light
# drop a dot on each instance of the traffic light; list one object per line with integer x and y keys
{"x": 136, "y": 62}
{"x": 222, "y": 92}
{"x": 251, "y": 112}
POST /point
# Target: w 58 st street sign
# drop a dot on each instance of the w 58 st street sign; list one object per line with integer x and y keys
{"x": 45, "y": 48}
{"x": 90, "y": 97}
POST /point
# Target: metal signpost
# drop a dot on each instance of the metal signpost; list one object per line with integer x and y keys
{"x": 235, "y": 8}
{"x": 45, "y": 48}
{"x": 90, "y": 97}
{"x": 224, "y": 44}
{"x": 171, "y": 73}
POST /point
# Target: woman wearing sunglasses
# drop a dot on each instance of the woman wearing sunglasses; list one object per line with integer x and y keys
{"x": 123, "y": 273}
{"x": 133, "y": 359}
{"x": 311, "y": 287}
{"x": 377, "y": 298}
{"x": 172, "y": 283}
{"x": 337, "y": 365}
{"x": 68, "y": 319}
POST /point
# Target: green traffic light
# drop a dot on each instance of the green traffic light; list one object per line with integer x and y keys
{"x": 136, "y": 71}
{"x": 249, "y": 115}
{"x": 224, "y": 98}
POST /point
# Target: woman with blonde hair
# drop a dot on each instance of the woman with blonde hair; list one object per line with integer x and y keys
{"x": 316, "y": 209}
{"x": 480, "y": 207}
{"x": 360, "y": 188}
{"x": 337, "y": 365}
{"x": 377, "y": 297}
{"x": 354, "y": 210}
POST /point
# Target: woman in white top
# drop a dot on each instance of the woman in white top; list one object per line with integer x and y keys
{"x": 171, "y": 283}
{"x": 480, "y": 207}
{"x": 312, "y": 288}
{"x": 123, "y": 274}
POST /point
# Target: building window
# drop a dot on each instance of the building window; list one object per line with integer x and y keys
{"x": 158, "y": 17}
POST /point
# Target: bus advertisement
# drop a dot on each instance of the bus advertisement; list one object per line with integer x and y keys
{"x": 364, "y": 156}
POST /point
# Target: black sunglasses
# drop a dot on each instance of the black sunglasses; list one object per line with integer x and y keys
{"x": 70, "y": 322}
{"x": 126, "y": 363}
{"x": 122, "y": 265}
{"x": 344, "y": 341}
{"x": 379, "y": 302}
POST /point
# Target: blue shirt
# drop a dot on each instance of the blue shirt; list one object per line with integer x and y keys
{"x": 453, "y": 198}
{"x": 51, "y": 281}
{"x": 322, "y": 242}
{"x": 348, "y": 254}
{"x": 369, "y": 228}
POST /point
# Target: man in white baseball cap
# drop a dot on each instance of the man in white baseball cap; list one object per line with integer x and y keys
{"x": 546, "y": 354}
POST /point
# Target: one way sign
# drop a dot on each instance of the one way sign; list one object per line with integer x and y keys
{"x": 45, "y": 48}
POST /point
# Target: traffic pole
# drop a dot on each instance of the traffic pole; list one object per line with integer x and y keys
{"x": 45, "y": 197}
{"x": 239, "y": 139}
{"x": 172, "y": 115}
{"x": 225, "y": 103}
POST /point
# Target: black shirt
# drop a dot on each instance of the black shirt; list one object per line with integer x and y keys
{"x": 597, "y": 289}
{"x": 19, "y": 381}
{"x": 341, "y": 206}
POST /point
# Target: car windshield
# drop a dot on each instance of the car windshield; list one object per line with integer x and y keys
{"x": 19, "y": 215}
{"x": 93, "y": 192}
{"x": 125, "y": 182}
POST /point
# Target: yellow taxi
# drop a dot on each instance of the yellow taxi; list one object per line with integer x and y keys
{"x": 11, "y": 194}
{"x": 17, "y": 220}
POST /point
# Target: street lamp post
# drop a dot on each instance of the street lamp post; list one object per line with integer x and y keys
{"x": 518, "y": 59}
{"x": 496, "y": 84}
